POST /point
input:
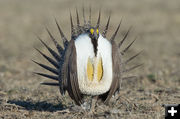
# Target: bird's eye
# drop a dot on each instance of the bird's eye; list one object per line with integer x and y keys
{"x": 97, "y": 31}
{"x": 92, "y": 31}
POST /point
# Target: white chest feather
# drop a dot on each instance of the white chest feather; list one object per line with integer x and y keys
{"x": 84, "y": 50}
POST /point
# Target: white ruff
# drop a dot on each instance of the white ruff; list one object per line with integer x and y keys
{"x": 84, "y": 50}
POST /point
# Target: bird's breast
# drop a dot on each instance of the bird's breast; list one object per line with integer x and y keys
{"x": 94, "y": 72}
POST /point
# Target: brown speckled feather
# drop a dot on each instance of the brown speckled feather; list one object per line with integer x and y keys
{"x": 116, "y": 72}
{"x": 70, "y": 81}
{"x": 72, "y": 68}
{"x": 64, "y": 76}
{"x": 64, "y": 68}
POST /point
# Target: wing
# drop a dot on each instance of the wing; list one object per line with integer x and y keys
{"x": 64, "y": 70}
{"x": 116, "y": 72}
{"x": 70, "y": 74}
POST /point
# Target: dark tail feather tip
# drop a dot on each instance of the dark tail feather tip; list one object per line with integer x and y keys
{"x": 50, "y": 84}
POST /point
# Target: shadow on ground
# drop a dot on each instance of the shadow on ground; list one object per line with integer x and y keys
{"x": 38, "y": 106}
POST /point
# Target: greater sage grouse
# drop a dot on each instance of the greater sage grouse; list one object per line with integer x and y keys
{"x": 89, "y": 63}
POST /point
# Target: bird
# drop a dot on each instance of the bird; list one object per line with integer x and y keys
{"x": 89, "y": 64}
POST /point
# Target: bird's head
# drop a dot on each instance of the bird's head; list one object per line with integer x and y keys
{"x": 93, "y": 33}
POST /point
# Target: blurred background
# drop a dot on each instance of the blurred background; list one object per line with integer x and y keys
{"x": 156, "y": 24}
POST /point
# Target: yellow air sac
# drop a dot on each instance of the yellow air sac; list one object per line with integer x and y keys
{"x": 90, "y": 70}
{"x": 99, "y": 70}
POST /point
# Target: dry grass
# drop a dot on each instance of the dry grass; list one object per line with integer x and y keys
{"x": 155, "y": 22}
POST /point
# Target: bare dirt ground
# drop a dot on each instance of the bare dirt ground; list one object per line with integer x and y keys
{"x": 156, "y": 23}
